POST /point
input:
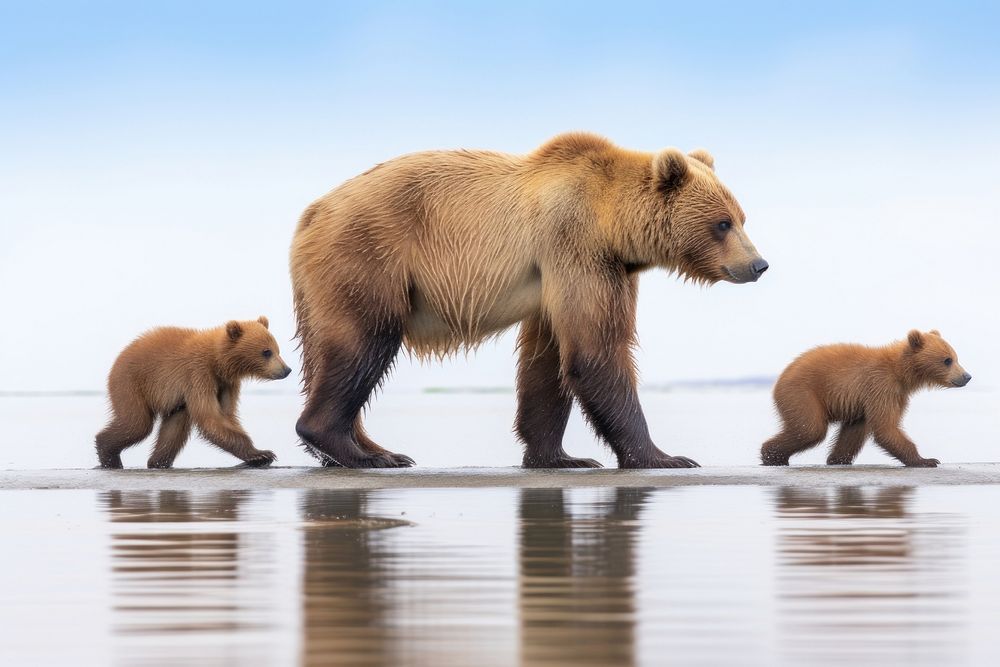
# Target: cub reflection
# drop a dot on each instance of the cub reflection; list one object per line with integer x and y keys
{"x": 577, "y": 563}
{"x": 860, "y": 576}
{"x": 347, "y": 583}
{"x": 886, "y": 540}
{"x": 176, "y": 576}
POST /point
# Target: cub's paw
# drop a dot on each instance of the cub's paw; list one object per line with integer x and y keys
{"x": 110, "y": 463}
{"x": 774, "y": 458}
{"x": 836, "y": 462}
{"x": 923, "y": 463}
{"x": 262, "y": 458}
{"x": 159, "y": 465}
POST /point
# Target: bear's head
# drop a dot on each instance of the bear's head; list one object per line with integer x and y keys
{"x": 700, "y": 223}
{"x": 249, "y": 350}
{"x": 930, "y": 361}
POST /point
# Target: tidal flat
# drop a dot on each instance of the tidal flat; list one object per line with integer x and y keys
{"x": 730, "y": 564}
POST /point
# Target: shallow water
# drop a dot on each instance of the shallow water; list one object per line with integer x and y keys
{"x": 694, "y": 575}
{"x": 713, "y": 427}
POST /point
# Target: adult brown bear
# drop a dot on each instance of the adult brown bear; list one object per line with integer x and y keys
{"x": 439, "y": 250}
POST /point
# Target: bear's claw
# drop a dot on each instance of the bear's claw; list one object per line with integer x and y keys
{"x": 402, "y": 460}
{"x": 387, "y": 460}
{"x": 664, "y": 461}
{"x": 560, "y": 462}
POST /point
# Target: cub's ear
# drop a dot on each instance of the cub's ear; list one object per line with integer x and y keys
{"x": 703, "y": 156}
{"x": 234, "y": 330}
{"x": 915, "y": 339}
{"x": 670, "y": 169}
{"x": 935, "y": 332}
{"x": 263, "y": 320}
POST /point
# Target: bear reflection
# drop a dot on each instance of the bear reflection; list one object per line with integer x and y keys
{"x": 346, "y": 593}
{"x": 577, "y": 598}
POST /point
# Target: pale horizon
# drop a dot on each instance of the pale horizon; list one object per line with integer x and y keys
{"x": 155, "y": 164}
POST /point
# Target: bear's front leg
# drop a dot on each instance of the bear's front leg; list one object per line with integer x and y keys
{"x": 543, "y": 402}
{"x": 607, "y": 393}
{"x": 594, "y": 325}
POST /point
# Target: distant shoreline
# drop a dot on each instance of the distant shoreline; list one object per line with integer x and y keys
{"x": 752, "y": 382}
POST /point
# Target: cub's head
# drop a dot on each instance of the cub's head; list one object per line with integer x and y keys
{"x": 932, "y": 361}
{"x": 706, "y": 240}
{"x": 249, "y": 350}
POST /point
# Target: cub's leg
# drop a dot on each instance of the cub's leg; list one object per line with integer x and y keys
{"x": 850, "y": 438}
{"x": 891, "y": 438}
{"x": 543, "y": 402}
{"x": 593, "y": 319}
{"x": 224, "y": 431}
{"x": 343, "y": 368}
{"x": 131, "y": 422}
{"x": 804, "y": 426}
{"x": 174, "y": 432}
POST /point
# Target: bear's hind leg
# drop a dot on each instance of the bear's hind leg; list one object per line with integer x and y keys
{"x": 342, "y": 375}
{"x": 131, "y": 423}
{"x": 174, "y": 432}
{"x": 543, "y": 403}
{"x": 372, "y": 447}
{"x": 593, "y": 319}
{"x": 850, "y": 438}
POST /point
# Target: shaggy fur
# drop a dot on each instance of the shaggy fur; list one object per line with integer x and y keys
{"x": 866, "y": 390}
{"x": 185, "y": 377}
{"x": 439, "y": 251}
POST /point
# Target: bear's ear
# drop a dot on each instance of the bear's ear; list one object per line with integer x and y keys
{"x": 670, "y": 169}
{"x": 703, "y": 156}
{"x": 234, "y": 330}
{"x": 935, "y": 332}
{"x": 263, "y": 320}
{"x": 915, "y": 339}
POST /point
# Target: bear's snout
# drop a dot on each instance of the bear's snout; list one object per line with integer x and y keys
{"x": 283, "y": 373}
{"x": 962, "y": 380}
{"x": 749, "y": 272}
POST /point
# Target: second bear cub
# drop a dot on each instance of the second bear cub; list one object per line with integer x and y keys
{"x": 866, "y": 390}
{"x": 188, "y": 377}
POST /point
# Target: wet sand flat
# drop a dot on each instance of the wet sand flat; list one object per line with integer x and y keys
{"x": 321, "y": 478}
{"x": 492, "y": 575}
{"x": 732, "y": 563}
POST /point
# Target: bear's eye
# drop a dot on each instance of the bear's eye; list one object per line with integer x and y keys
{"x": 724, "y": 226}
{"x": 947, "y": 362}
{"x": 267, "y": 354}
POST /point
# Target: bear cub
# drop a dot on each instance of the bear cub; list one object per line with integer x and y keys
{"x": 866, "y": 390}
{"x": 188, "y": 377}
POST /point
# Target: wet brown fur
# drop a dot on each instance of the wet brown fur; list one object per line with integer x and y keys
{"x": 439, "y": 251}
{"x": 187, "y": 377}
{"x": 866, "y": 390}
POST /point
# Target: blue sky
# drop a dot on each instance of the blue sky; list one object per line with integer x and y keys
{"x": 154, "y": 158}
